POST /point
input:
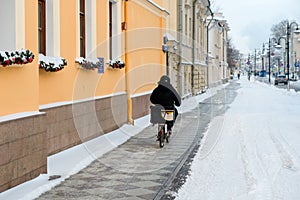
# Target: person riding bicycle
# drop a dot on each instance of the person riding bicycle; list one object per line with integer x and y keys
{"x": 166, "y": 95}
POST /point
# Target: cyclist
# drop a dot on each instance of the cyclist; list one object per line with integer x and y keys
{"x": 166, "y": 95}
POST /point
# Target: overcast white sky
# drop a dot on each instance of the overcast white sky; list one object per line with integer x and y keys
{"x": 250, "y": 21}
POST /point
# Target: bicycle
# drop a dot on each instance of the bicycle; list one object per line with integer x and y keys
{"x": 161, "y": 116}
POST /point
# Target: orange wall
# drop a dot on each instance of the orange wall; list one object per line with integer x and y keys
{"x": 113, "y": 80}
{"x": 28, "y": 87}
{"x": 19, "y": 85}
{"x": 145, "y": 56}
{"x": 57, "y": 86}
{"x": 72, "y": 82}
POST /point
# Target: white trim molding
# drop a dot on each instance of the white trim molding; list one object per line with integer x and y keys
{"x": 20, "y": 24}
{"x": 116, "y": 29}
{"x": 8, "y": 13}
{"x": 91, "y": 28}
{"x": 152, "y": 7}
{"x": 53, "y": 27}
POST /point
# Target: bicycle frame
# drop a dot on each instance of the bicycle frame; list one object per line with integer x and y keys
{"x": 168, "y": 115}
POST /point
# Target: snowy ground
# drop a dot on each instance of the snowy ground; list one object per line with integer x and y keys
{"x": 256, "y": 155}
{"x": 71, "y": 161}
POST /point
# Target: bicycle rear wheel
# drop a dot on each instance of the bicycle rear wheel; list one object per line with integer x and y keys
{"x": 161, "y": 135}
{"x": 161, "y": 142}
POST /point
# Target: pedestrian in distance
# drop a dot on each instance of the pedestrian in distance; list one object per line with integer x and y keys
{"x": 249, "y": 75}
{"x": 238, "y": 75}
{"x": 166, "y": 96}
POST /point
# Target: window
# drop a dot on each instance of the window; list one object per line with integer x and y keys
{"x": 42, "y": 26}
{"x": 110, "y": 31}
{"x": 198, "y": 31}
{"x": 190, "y": 28}
{"x": 185, "y": 24}
{"x": 82, "y": 27}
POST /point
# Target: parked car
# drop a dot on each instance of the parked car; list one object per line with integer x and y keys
{"x": 281, "y": 79}
{"x": 263, "y": 73}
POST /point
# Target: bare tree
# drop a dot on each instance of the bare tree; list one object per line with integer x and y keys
{"x": 215, "y": 8}
{"x": 233, "y": 55}
{"x": 279, "y": 30}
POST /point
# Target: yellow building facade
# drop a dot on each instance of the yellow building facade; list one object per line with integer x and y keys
{"x": 88, "y": 67}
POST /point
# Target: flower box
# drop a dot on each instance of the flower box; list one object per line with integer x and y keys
{"x": 51, "y": 64}
{"x": 116, "y": 64}
{"x": 15, "y": 57}
{"x": 88, "y": 63}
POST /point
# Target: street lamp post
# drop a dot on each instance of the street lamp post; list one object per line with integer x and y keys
{"x": 262, "y": 58}
{"x": 254, "y": 62}
{"x": 269, "y": 56}
{"x": 287, "y": 45}
{"x": 289, "y": 27}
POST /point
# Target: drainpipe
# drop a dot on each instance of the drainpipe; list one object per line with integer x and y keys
{"x": 127, "y": 77}
{"x": 223, "y": 51}
{"x": 193, "y": 46}
{"x": 179, "y": 36}
{"x": 207, "y": 43}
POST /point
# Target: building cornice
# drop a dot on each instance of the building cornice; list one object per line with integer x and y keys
{"x": 152, "y": 6}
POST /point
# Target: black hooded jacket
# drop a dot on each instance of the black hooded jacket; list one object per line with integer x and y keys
{"x": 165, "y": 96}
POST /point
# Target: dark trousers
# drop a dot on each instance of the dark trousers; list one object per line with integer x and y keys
{"x": 170, "y": 124}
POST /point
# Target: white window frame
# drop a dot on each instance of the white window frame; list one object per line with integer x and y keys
{"x": 90, "y": 28}
{"x": 116, "y": 29}
{"x": 53, "y": 27}
{"x": 13, "y": 38}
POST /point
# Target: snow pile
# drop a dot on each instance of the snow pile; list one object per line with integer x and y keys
{"x": 255, "y": 155}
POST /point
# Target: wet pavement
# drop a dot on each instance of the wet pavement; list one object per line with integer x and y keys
{"x": 139, "y": 169}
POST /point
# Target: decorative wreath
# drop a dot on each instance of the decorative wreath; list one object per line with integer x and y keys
{"x": 116, "y": 64}
{"x": 15, "y": 57}
{"x": 51, "y": 64}
{"x": 88, "y": 63}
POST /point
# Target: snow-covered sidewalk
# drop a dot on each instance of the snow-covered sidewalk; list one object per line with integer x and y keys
{"x": 256, "y": 154}
{"x": 72, "y": 160}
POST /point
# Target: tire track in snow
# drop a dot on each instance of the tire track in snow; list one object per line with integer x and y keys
{"x": 267, "y": 179}
{"x": 284, "y": 157}
{"x": 249, "y": 178}
{"x": 253, "y": 164}
{"x": 283, "y": 150}
{"x": 209, "y": 151}
{"x": 288, "y": 156}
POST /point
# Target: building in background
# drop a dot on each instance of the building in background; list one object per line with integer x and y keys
{"x": 186, "y": 42}
{"x": 295, "y": 55}
{"x": 218, "y": 71}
